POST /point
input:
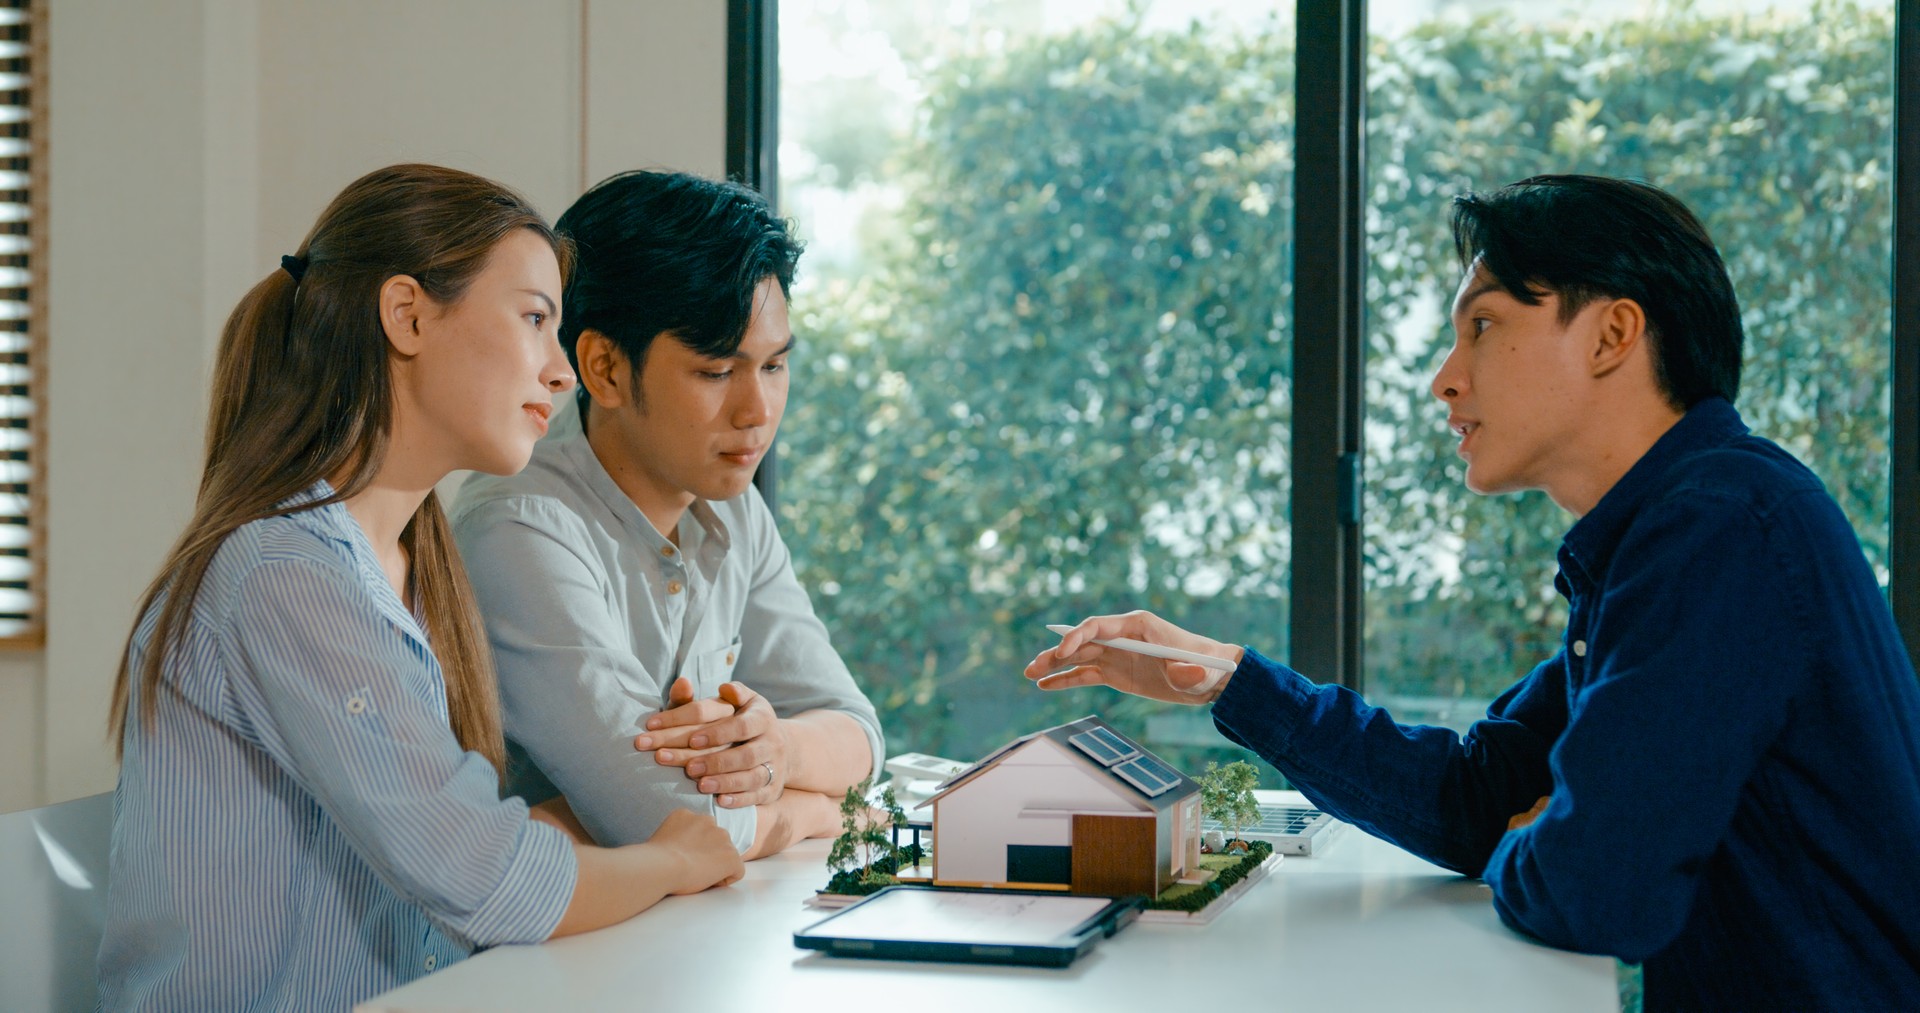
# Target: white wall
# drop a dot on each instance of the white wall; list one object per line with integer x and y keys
{"x": 1029, "y": 797}
{"x": 656, "y": 87}
{"x": 127, "y": 310}
{"x": 193, "y": 142}
{"x": 20, "y": 720}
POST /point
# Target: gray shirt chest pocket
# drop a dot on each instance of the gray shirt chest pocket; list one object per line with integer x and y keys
{"x": 710, "y": 668}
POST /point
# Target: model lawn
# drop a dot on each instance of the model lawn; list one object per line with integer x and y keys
{"x": 1072, "y": 767}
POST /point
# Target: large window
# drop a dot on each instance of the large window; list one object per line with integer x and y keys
{"x": 1050, "y": 332}
{"x": 1045, "y": 326}
{"x": 1774, "y": 124}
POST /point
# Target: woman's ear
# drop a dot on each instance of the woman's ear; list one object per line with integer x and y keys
{"x": 603, "y": 369}
{"x": 402, "y": 304}
{"x": 1620, "y": 331}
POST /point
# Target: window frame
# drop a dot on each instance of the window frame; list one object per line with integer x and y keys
{"x": 1326, "y": 579}
{"x": 1903, "y": 580}
{"x": 753, "y": 138}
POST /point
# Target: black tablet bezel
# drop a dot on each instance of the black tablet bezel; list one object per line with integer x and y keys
{"x": 1064, "y": 950}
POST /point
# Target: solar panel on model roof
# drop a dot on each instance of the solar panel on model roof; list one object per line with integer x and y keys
{"x": 1104, "y": 746}
{"x": 1145, "y": 779}
{"x": 1163, "y": 771}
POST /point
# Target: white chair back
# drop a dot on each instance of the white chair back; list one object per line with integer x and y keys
{"x": 53, "y": 879}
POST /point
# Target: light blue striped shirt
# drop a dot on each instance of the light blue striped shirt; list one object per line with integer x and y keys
{"x": 593, "y": 614}
{"x": 297, "y": 828}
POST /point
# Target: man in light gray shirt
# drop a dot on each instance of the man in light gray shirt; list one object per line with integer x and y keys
{"x": 654, "y": 648}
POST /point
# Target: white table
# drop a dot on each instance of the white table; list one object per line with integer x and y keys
{"x": 1364, "y": 927}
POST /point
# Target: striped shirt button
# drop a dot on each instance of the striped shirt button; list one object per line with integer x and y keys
{"x": 431, "y": 962}
{"x": 356, "y": 704}
{"x": 673, "y": 587}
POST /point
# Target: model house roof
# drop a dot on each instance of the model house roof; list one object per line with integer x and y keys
{"x": 1095, "y": 745}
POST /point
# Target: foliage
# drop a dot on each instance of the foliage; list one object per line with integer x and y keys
{"x": 1061, "y": 385}
{"x": 1776, "y": 131}
{"x": 1020, "y": 415}
{"x": 1226, "y": 795}
{"x": 1191, "y": 898}
{"x": 884, "y": 872}
{"x": 864, "y": 855}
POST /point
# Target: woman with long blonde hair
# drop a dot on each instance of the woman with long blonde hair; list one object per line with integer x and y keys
{"x": 308, "y": 810}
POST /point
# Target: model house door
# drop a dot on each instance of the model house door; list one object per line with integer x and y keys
{"x": 1114, "y": 854}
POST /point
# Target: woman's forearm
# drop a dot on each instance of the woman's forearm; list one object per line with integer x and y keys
{"x": 687, "y": 854}
{"x": 614, "y": 884}
{"x": 555, "y": 812}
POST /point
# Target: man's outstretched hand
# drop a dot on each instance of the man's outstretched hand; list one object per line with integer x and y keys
{"x": 1078, "y": 661}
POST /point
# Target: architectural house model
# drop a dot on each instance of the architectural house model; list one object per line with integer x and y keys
{"x": 1078, "y": 807}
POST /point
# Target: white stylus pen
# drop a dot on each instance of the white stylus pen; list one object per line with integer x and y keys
{"x": 1155, "y": 650}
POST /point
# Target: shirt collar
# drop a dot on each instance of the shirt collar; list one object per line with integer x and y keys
{"x": 330, "y": 520}
{"x": 333, "y": 521}
{"x": 586, "y": 464}
{"x": 1589, "y": 544}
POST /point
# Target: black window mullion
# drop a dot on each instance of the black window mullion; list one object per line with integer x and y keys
{"x": 1904, "y": 551}
{"x": 1324, "y": 612}
{"x": 753, "y": 131}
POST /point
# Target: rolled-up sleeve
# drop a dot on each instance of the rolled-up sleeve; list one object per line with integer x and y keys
{"x": 574, "y": 693}
{"x": 321, "y": 680}
{"x": 786, "y": 655}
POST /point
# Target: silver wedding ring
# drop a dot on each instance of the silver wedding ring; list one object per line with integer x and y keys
{"x": 769, "y": 767}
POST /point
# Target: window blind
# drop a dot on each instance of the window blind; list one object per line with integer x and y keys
{"x": 20, "y": 316}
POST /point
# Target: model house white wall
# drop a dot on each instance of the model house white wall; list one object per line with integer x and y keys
{"x": 1028, "y": 797}
{"x": 193, "y": 142}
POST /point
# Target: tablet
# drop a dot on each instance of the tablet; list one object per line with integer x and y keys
{"x": 970, "y": 925}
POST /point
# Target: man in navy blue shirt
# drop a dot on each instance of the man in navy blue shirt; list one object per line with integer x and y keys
{"x": 1719, "y": 772}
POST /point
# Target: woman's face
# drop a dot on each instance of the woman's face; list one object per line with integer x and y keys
{"x": 480, "y": 386}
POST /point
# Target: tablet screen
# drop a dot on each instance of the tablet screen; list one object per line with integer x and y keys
{"x": 978, "y": 917}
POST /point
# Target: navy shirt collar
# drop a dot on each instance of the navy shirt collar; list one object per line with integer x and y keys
{"x": 1589, "y": 544}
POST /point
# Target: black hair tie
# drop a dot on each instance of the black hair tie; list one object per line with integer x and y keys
{"x": 294, "y": 266}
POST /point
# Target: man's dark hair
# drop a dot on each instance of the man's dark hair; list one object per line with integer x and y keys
{"x": 669, "y": 253}
{"x": 1583, "y": 238}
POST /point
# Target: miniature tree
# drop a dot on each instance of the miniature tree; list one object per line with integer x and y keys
{"x": 864, "y": 856}
{"x": 1226, "y": 795}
